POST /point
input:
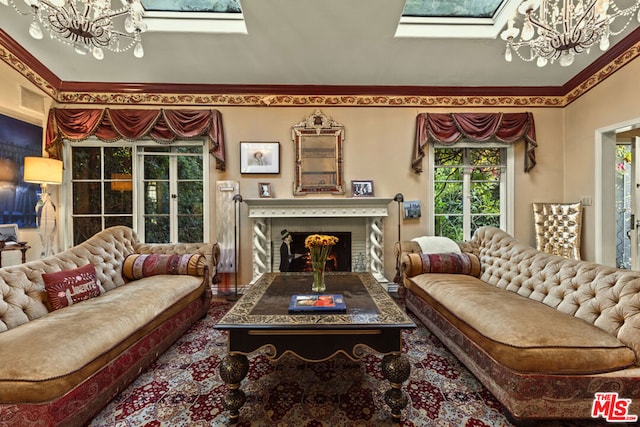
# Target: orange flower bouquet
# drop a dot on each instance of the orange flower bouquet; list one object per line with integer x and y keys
{"x": 319, "y": 246}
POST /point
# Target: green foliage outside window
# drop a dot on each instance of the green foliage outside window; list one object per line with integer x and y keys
{"x": 102, "y": 182}
{"x": 190, "y": 187}
{"x": 467, "y": 190}
{"x": 102, "y": 191}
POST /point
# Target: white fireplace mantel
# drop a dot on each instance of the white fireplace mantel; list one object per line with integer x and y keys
{"x": 371, "y": 210}
{"x": 327, "y": 207}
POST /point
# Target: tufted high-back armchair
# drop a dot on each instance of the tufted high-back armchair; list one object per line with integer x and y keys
{"x": 558, "y": 228}
{"x": 606, "y": 297}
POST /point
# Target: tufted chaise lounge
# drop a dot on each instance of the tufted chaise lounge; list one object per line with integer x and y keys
{"x": 61, "y": 367}
{"x": 543, "y": 333}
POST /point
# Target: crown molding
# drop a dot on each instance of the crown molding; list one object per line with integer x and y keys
{"x": 28, "y": 66}
{"x": 67, "y": 92}
{"x": 277, "y": 100}
{"x": 602, "y": 68}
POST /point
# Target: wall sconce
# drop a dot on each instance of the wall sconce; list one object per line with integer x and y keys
{"x": 44, "y": 171}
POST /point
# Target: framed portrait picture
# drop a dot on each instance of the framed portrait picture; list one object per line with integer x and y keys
{"x": 259, "y": 157}
{"x": 264, "y": 189}
{"x": 362, "y": 188}
{"x": 412, "y": 209}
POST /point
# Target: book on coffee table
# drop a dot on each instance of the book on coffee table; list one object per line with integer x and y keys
{"x": 317, "y": 303}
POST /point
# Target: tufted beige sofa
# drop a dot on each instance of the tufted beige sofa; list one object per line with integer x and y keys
{"x": 543, "y": 333}
{"x": 61, "y": 367}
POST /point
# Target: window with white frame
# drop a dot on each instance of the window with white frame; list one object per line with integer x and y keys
{"x": 472, "y": 186}
{"x": 172, "y": 189}
{"x": 158, "y": 190}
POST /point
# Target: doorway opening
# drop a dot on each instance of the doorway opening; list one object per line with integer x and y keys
{"x": 623, "y": 205}
{"x": 617, "y": 196}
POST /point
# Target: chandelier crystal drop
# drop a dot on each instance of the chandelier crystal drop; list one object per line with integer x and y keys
{"x": 87, "y": 25}
{"x": 560, "y": 29}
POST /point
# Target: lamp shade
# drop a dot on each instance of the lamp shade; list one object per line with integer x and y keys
{"x": 42, "y": 170}
{"x": 124, "y": 182}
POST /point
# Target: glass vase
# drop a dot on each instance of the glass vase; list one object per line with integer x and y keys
{"x": 318, "y": 276}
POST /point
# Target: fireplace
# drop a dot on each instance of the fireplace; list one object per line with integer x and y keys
{"x": 339, "y": 257}
{"x": 360, "y": 217}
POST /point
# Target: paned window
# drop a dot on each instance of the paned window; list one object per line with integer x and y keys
{"x": 101, "y": 189}
{"x": 158, "y": 190}
{"x": 172, "y": 188}
{"x": 471, "y": 187}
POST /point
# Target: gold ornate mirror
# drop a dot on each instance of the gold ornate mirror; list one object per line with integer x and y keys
{"x": 318, "y": 144}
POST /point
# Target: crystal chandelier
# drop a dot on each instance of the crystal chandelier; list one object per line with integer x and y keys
{"x": 564, "y": 28}
{"x": 87, "y": 25}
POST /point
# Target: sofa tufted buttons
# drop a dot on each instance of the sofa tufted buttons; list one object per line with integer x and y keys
{"x": 604, "y": 296}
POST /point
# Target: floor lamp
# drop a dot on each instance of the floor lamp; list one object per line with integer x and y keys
{"x": 237, "y": 198}
{"x": 398, "y": 198}
{"x": 44, "y": 171}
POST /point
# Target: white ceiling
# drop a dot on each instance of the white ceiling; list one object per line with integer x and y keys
{"x": 302, "y": 42}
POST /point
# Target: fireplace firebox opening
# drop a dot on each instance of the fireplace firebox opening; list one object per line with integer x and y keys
{"x": 339, "y": 259}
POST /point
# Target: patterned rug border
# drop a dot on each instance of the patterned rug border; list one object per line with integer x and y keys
{"x": 183, "y": 388}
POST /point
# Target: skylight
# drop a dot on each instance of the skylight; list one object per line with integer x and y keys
{"x": 218, "y": 6}
{"x": 195, "y": 16}
{"x": 452, "y": 8}
{"x": 455, "y": 18}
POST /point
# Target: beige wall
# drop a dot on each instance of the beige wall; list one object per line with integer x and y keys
{"x": 10, "y": 98}
{"x": 614, "y": 101}
{"x": 378, "y": 146}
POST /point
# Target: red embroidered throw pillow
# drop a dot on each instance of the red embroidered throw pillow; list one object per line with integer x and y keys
{"x": 68, "y": 287}
{"x": 137, "y": 266}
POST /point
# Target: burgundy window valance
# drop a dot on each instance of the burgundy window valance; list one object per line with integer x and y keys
{"x": 449, "y": 128}
{"x": 108, "y": 125}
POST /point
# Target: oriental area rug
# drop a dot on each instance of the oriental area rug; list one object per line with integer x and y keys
{"x": 183, "y": 388}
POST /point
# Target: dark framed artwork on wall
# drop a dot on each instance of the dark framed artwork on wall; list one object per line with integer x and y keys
{"x": 259, "y": 157}
{"x": 18, "y": 139}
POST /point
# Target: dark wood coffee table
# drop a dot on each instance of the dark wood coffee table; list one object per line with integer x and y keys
{"x": 261, "y": 320}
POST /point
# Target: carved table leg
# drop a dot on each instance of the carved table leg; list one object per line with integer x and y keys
{"x": 233, "y": 369}
{"x": 396, "y": 368}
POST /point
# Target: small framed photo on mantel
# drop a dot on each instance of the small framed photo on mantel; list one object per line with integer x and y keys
{"x": 362, "y": 188}
{"x": 259, "y": 157}
{"x": 264, "y": 190}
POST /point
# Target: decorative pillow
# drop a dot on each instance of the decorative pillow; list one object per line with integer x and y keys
{"x": 452, "y": 263}
{"x": 137, "y": 266}
{"x": 68, "y": 287}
